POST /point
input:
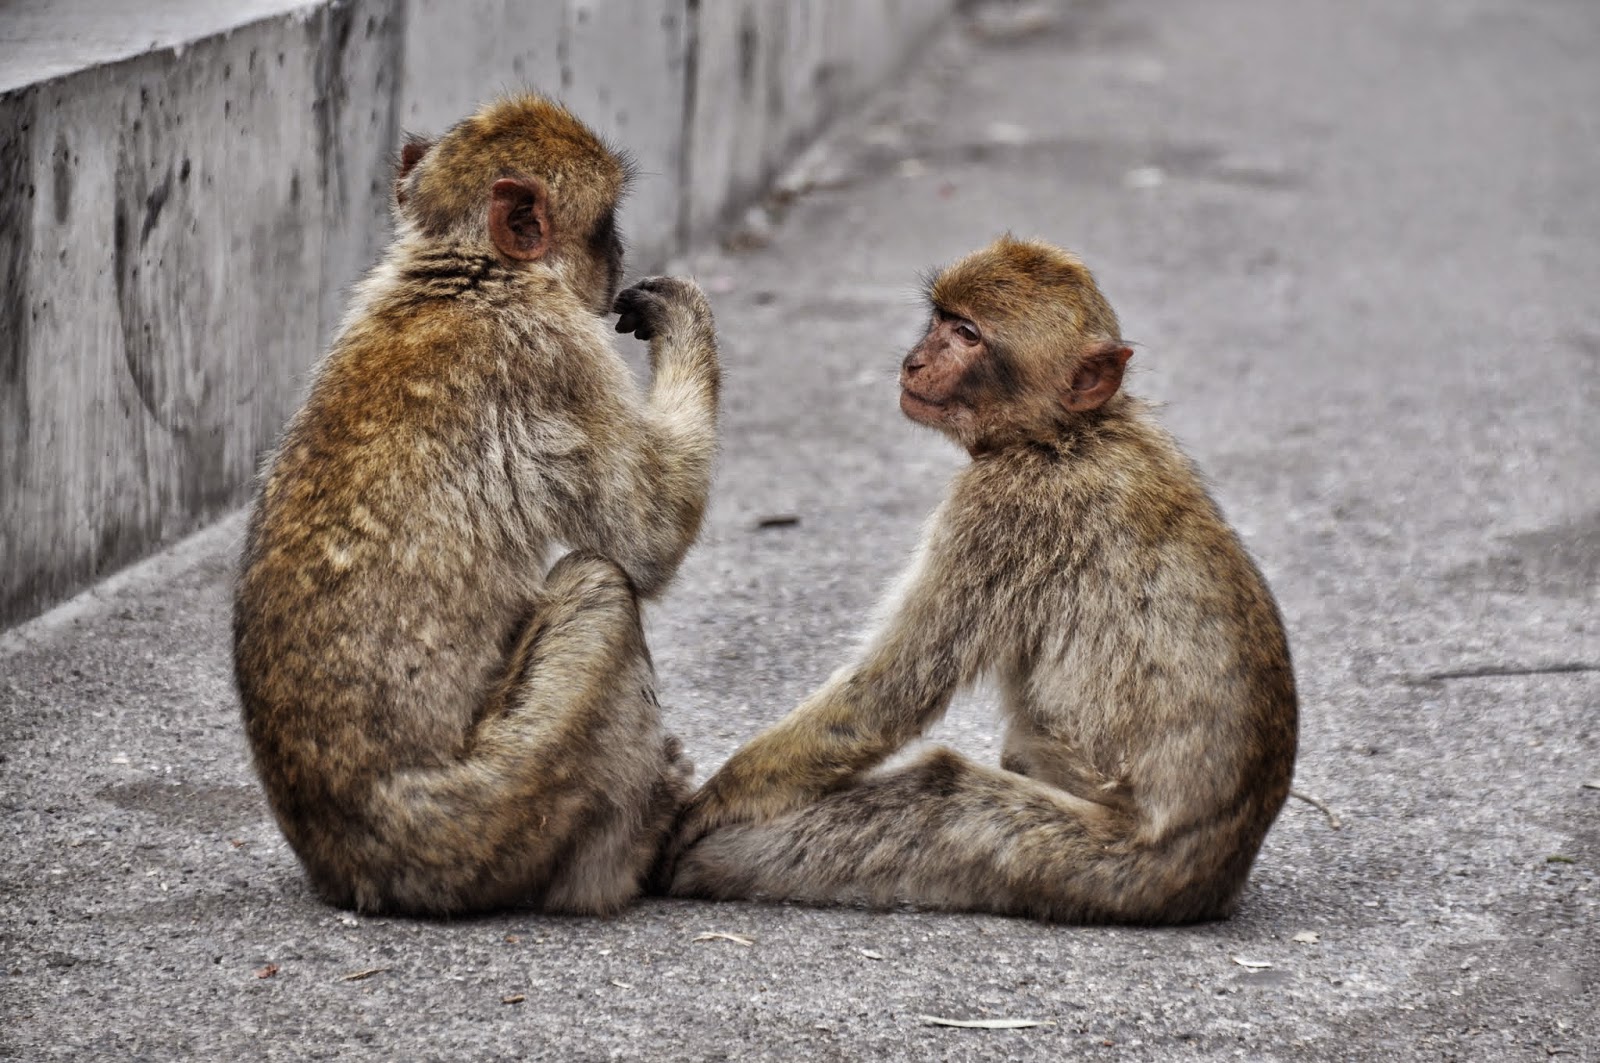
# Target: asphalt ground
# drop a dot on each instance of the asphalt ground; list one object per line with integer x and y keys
{"x": 1358, "y": 246}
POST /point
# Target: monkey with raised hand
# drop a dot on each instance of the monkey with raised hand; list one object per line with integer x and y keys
{"x": 440, "y": 724}
{"x": 1143, "y": 670}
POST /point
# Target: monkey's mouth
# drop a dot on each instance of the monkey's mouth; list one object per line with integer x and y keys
{"x": 910, "y": 401}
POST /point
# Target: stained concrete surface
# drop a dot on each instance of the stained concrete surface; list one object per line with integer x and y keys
{"x": 1357, "y": 245}
{"x": 45, "y": 39}
{"x": 189, "y": 189}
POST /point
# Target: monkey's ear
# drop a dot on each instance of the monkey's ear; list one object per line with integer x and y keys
{"x": 411, "y": 153}
{"x": 519, "y": 219}
{"x": 1097, "y": 378}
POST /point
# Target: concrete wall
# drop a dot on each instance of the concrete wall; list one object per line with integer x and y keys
{"x": 182, "y": 208}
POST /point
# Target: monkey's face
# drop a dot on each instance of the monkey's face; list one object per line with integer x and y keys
{"x": 956, "y": 380}
{"x": 932, "y": 375}
{"x": 1021, "y": 342}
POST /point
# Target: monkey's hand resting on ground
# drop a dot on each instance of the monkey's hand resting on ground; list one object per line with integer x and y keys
{"x": 766, "y": 779}
{"x": 722, "y": 802}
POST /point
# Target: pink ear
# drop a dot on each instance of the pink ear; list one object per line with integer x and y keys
{"x": 519, "y": 224}
{"x": 1097, "y": 377}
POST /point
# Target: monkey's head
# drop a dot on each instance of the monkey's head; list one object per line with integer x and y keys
{"x": 1021, "y": 344}
{"x": 524, "y": 178}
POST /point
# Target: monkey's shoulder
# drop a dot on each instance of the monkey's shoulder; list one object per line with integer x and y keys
{"x": 1110, "y": 492}
{"x": 447, "y": 371}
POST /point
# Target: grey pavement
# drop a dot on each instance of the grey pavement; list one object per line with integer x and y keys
{"x": 1358, "y": 245}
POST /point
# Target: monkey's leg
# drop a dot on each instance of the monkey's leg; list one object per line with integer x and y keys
{"x": 612, "y": 868}
{"x": 943, "y": 832}
{"x": 568, "y": 784}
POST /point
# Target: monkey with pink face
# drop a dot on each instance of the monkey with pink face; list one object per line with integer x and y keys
{"x": 1143, "y": 670}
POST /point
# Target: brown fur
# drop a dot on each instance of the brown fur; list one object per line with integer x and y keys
{"x": 439, "y": 725}
{"x": 1144, "y": 674}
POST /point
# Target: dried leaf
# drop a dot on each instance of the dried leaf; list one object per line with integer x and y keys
{"x": 986, "y": 1024}
{"x": 362, "y": 975}
{"x": 514, "y": 998}
{"x": 871, "y": 954}
{"x": 268, "y": 971}
{"x": 621, "y": 985}
{"x": 512, "y": 939}
{"x": 718, "y": 935}
{"x": 1307, "y": 937}
{"x": 1254, "y": 965}
{"x": 1334, "y": 822}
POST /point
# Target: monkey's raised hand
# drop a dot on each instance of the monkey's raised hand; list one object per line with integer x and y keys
{"x": 668, "y": 307}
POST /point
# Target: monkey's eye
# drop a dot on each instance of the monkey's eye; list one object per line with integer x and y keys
{"x": 967, "y": 331}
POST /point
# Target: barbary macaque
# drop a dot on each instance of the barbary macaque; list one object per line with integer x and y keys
{"x": 441, "y": 725}
{"x": 1142, "y": 666}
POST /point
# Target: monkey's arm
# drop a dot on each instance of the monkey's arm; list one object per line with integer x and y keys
{"x": 932, "y": 643}
{"x": 645, "y": 510}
